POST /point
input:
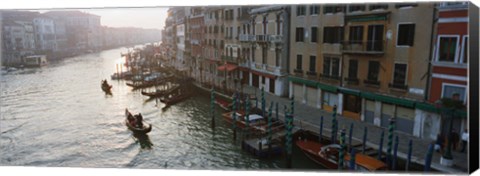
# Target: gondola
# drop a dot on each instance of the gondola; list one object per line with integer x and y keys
{"x": 176, "y": 98}
{"x": 136, "y": 130}
{"x": 159, "y": 93}
{"x": 106, "y": 87}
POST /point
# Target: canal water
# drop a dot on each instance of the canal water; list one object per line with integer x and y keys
{"x": 57, "y": 115}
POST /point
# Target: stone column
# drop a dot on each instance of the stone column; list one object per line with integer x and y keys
{"x": 378, "y": 113}
{"x": 319, "y": 98}
{"x": 304, "y": 98}
{"x": 340, "y": 104}
{"x": 364, "y": 106}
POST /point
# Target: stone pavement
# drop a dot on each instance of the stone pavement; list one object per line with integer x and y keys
{"x": 308, "y": 117}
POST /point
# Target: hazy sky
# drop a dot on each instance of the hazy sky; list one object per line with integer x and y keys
{"x": 131, "y": 17}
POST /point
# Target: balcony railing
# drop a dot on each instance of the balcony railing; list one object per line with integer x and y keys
{"x": 371, "y": 82}
{"x": 275, "y": 38}
{"x": 262, "y": 38}
{"x": 364, "y": 47}
{"x": 298, "y": 72}
{"x": 229, "y": 58}
{"x": 398, "y": 86}
{"x": 247, "y": 38}
{"x": 353, "y": 81}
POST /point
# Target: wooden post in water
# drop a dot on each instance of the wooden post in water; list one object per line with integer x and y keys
{"x": 292, "y": 103}
{"x": 350, "y": 136}
{"x": 395, "y": 148}
{"x": 289, "y": 141}
{"x": 428, "y": 158}
{"x": 342, "y": 148}
{"x": 256, "y": 101}
{"x": 409, "y": 156}
{"x": 234, "y": 116}
{"x": 320, "y": 136}
{"x": 352, "y": 159}
{"x": 212, "y": 106}
{"x": 381, "y": 146}
{"x": 364, "y": 142}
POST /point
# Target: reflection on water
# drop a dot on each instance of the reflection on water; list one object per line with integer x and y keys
{"x": 57, "y": 115}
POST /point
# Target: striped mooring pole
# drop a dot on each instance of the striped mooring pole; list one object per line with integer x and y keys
{"x": 289, "y": 141}
{"x": 380, "y": 149}
{"x": 342, "y": 148}
{"x": 292, "y": 103}
{"x": 409, "y": 155}
{"x": 320, "y": 136}
{"x": 334, "y": 125}
{"x": 212, "y": 106}
{"x": 395, "y": 148}
{"x": 428, "y": 158}
{"x": 269, "y": 128}
{"x": 352, "y": 159}
{"x": 364, "y": 139}
{"x": 389, "y": 142}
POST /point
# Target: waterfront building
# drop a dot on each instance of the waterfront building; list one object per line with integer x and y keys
{"x": 449, "y": 66}
{"x": 196, "y": 33}
{"x": 371, "y": 62}
{"x": 170, "y": 37}
{"x": 214, "y": 44}
{"x": 267, "y": 62}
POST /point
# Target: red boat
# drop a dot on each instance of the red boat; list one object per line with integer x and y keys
{"x": 328, "y": 155}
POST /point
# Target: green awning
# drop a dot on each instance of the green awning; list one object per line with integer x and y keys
{"x": 387, "y": 99}
{"x": 462, "y": 114}
{"x": 397, "y": 101}
{"x": 327, "y": 87}
{"x": 426, "y": 107}
{"x": 348, "y": 91}
{"x": 368, "y": 95}
{"x": 302, "y": 81}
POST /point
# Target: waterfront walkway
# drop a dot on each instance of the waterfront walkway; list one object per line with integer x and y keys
{"x": 307, "y": 117}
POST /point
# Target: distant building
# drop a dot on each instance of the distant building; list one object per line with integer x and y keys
{"x": 44, "y": 33}
{"x": 83, "y": 30}
{"x": 18, "y": 38}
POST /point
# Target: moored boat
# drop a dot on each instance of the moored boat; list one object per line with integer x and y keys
{"x": 159, "y": 93}
{"x": 175, "y": 98}
{"x": 328, "y": 156}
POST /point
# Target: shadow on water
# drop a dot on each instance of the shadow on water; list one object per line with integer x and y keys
{"x": 143, "y": 140}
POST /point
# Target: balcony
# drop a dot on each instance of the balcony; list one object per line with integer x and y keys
{"x": 398, "y": 86}
{"x": 298, "y": 72}
{"x": 371, "y": 82}
{"x": 331, "y": 77}
{"x": 353, "y": 81}
{"x": 275, "y": 70}
{"x": 261, "y": 38}
{"x": 247, "y": 38}
{"x": 229, "y": 59}
{"x": 275, "y": 38}
{"x": 364, "y": 47}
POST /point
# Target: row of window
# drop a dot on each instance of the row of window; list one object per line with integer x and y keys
{"x": 448, "y": 47}
{"x": 327, "y": 9}
{"x": 331, "y": 68}
{"x": 406, "y": 34}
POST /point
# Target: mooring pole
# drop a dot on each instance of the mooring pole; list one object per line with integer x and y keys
{"x": 350, "y": 136}
{"x": 212, "y": 106}
{"x": 276, "y": 111}
{"x": 395, "y": 148}
{"x": 352, "y": 159}
{"x": 409, "y": 156}
{"x": 389, "y": 143}
{"x": 342, "y": 148}
{"x": 234, "y": 116}
{"x": 263, "y": 103}
{"x": 364, "y": 142}
{"x": 380, "y": 151}
{"x": 334, "y": 122}
{"x": 289, "y": 141}
{"x": 320, "y": 136}
{"x": 247, "y": 118}
{"x": 428, "y": 158}
{"x": 270, "y": 128}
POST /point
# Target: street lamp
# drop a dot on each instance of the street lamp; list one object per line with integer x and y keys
{"x": 447, "y": 158}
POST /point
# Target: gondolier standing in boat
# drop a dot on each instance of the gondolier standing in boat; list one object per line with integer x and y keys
{"x": 139, "y": 120}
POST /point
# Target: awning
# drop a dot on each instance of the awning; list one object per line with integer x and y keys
{"x": 349, "y": 91}
{"x": 302, "y": 81}
{"x": 227, "y": 67}
{"x": 263, "y": 74}
{"x": 388, "y": 99}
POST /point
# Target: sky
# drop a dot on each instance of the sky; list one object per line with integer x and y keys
{"x": 131, "y": 17}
